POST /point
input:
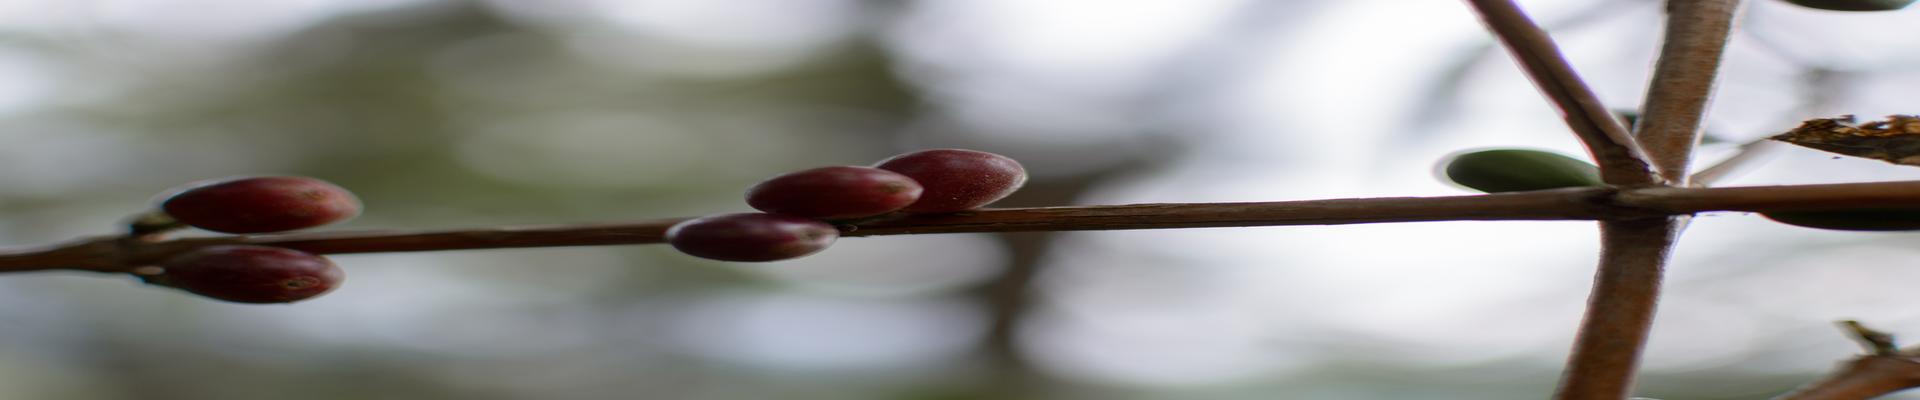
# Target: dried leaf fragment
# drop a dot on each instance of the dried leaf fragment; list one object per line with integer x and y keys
{"x": 1895, "y": 140}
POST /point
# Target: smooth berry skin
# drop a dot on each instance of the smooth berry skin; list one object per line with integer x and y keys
{"x": 956, "y": 179}
{"x": 835, "y": 193}
{"x": 261, "y": 204}
{"x": 751, "y": 237}
{"x": 250, "y": 274}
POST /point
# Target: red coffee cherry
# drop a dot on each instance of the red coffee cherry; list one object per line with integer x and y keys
{"x": 957, "y": 180}
{"x": 261, "y": 204}
{"x": 751, "y": 237}
{"x": 250, "y": 274}
{"x": 835, "y": 193}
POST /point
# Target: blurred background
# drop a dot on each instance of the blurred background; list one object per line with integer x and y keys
{"x": 446, "y": 114}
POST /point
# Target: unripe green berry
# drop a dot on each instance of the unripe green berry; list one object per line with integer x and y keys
{"x": 1853, "y": 5}
{"x": 1518, "y": 170}
{"x": 1851, "y": 220}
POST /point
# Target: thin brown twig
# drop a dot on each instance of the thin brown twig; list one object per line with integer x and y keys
{"x": 1819, "y": 90}
{"x": 1620, "y": 159}
{"x": 1876, "y": 342}
{"x": 1864, "y": 377}
{"x": 1683, "y": 78}
{"x": 1748, "y": 156}
{"x": 119, "y": 254}
{"x": 1883, "y": 370}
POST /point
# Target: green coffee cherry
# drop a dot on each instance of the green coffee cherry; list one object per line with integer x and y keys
{"x": 1853, "y": 5}
{"x": 1851, "y": 220}
{"x": 1517, "y": 170}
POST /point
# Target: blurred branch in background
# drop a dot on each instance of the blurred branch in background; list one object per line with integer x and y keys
{"x": 1011, "y": 297}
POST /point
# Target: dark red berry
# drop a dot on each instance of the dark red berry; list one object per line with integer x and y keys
{"x": 835, "y": 193}
{"x": 250, "y": 274}
{"x": 751, "y": 237}
{"x": 261, "y": 204}
{"x": 957, "y": 180}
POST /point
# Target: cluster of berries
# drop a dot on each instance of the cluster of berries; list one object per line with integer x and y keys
{"x": 797, "y": 206}
{"x": 245, "y": 273}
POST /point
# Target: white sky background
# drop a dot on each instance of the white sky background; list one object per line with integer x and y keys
{"x": 1314, "y": 105}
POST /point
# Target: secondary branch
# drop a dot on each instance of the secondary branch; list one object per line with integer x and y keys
{"x": 1620, "y": 158}
{"x": 119, "y": 254}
